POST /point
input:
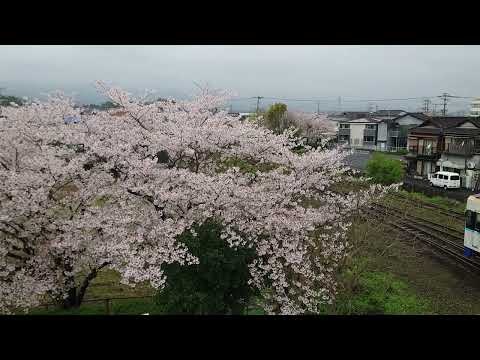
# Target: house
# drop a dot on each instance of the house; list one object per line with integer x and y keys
{"x": 393, "y": 131}
{"x": 359, "y": 133}
{"x": 475, "y": 107}
{"x": 446, "y": 144}
{"x": 388, "y": 114}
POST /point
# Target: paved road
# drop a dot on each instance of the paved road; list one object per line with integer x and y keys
{"x": 358, "y": 160}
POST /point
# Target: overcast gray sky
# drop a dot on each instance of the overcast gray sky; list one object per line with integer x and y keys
{"x": 352, "y": 72}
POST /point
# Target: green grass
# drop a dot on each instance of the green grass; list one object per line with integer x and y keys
{"x": 117, "y": 307}
{"x": 378, "y": 293}
{"x": 446, "y": 203}
{"x": 120, "y": 307}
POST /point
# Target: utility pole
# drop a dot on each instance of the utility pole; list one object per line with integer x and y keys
{"x": 258, "y": 102}
{"x": 445, "y": 97}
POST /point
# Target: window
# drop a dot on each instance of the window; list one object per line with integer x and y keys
{"x": 470, "y": 218}
{"x": 477, "y": 223}
{"x": 435, "y": 176}
{"x": 369, "y": 138}
{"x": 344, "y": 138}
{"x": 440, "y": 177}
{"x": 370, "y": 126}
{"x": 454, "y": 177}
{"x": 344, "y": 126}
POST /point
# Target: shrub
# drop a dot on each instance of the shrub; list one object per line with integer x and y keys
{"x": 385, "y": 170}
{"x": 217, "y": 285}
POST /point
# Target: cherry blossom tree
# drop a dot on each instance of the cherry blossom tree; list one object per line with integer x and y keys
{"x": 313, "y": 124}
{"x": 116, "y": 191}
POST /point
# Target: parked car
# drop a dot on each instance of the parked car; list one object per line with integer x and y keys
{"x": 445, "y": 179}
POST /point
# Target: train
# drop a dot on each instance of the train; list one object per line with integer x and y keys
{"x": 471, "y": 242}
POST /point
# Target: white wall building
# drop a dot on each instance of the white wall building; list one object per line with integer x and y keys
{"x": 359, "y": 133}
{"x": 475, "y": 107}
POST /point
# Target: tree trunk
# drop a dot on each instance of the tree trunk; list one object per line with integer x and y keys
{"x": 76, "y": 295}
{"x": 71, "y": 300}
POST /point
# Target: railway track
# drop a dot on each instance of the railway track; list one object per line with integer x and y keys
{"x": 419, "y": 203}
{"x": 440, "y": 240}
{"x": 431, "y": 225}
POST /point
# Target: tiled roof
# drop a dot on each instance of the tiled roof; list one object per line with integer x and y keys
{"x": 363, "y": 120}
{"x": 419, "y": 116}
{"x": 388, "y": 112}
{"x": 448, "y": 125}
{"x": 449, "y": 121}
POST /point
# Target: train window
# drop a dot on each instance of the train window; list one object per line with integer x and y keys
{"x": 440, "y": 177}
{"x": 454, "y": 177}
{"x": 470, "y": 218}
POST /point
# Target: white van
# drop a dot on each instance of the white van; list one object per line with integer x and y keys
{"x": 445, "y": 179}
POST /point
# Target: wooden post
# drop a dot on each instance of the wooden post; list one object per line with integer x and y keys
{"x": 107, "y": 306}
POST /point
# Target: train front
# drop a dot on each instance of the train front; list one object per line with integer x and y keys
{"x": 472, "y": 226}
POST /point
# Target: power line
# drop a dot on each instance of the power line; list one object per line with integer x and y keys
{"x": 339, "y": 100}
{"x": 336, "y": 99}
{"x": 258, "y": 101}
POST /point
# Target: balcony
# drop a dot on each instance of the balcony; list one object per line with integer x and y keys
{"x": 344, "y": 131}
{"x": 457, "y": 149}
{"x": 465, "y": 150}
{"x": 424, "y": 152}
{"x": 394, "y": 133}
{"x": 369, "y": 132}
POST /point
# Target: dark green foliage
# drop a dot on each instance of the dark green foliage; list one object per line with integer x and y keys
{"x": 163, "y": 157}
{"x": 5, "y": 100}
{"x": 104, "y": 106}
{"x": 218, "y": 285}
{"x": 385, "y": 170}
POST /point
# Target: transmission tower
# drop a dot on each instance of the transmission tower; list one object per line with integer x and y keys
{"x": 258, "y": 102}
{"x": 445, "y": 97}
{"x": 426, "y": 105}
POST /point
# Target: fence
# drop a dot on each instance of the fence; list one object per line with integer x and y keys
{"x": 108, "y": 302}
{"x": 422, "y": 186}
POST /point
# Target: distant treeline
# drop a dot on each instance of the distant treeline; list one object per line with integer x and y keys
{"x": 6, "y": 100}
{"x": 104, "y": 106}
